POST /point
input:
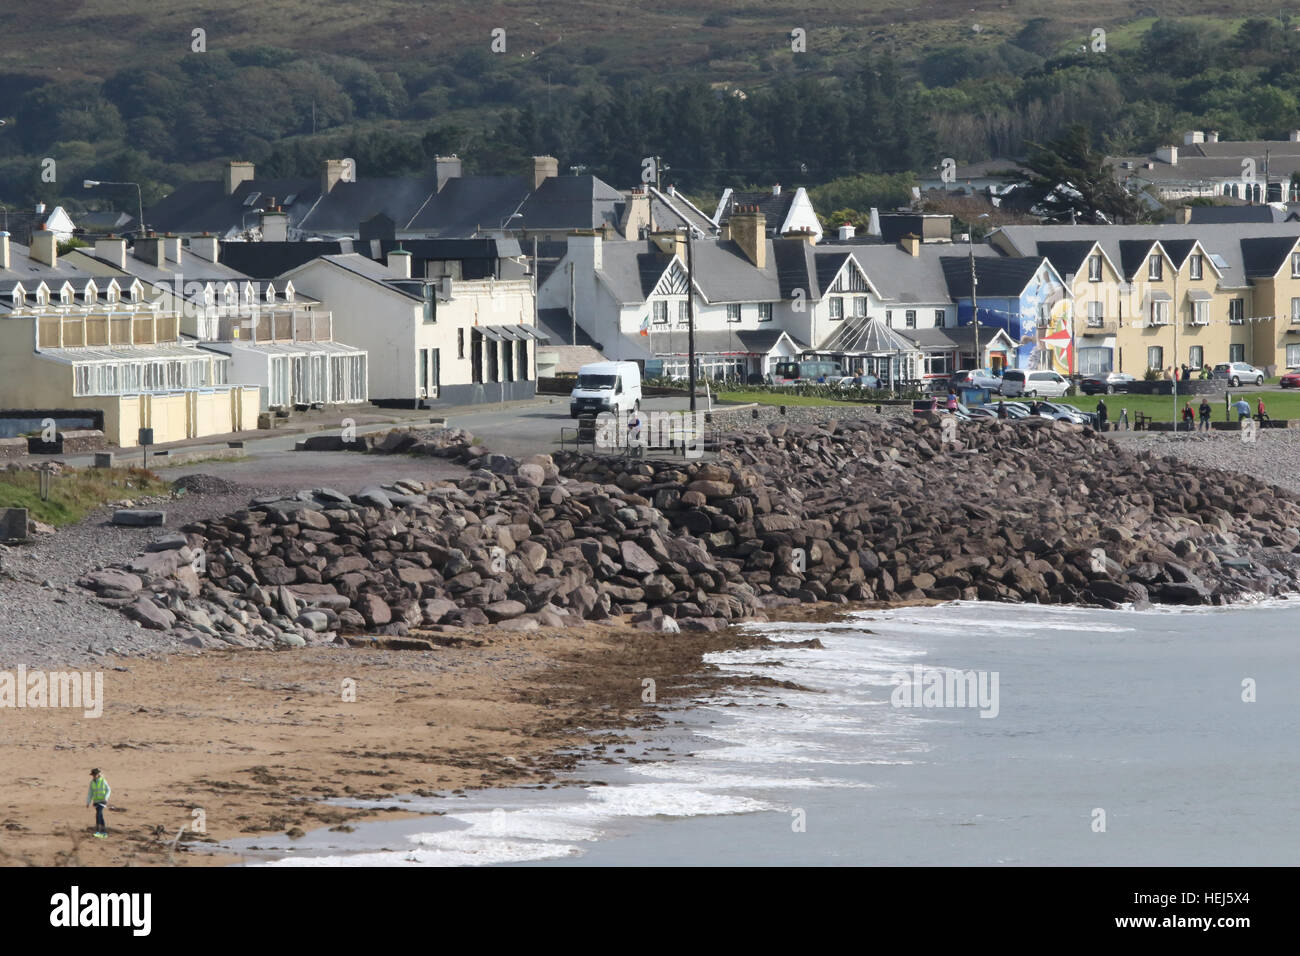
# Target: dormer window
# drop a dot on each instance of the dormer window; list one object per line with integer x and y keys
{"x": 1155, "y": 268}
{"x": 1094, "y": 268}
{"x": 1196, "y": 267}
{"x": 89, "y": 294}
{"x": 248, "y": 293}
{"x": 270, "y": 293}
{"x": 288, "y": 292}
{"x": 231, "y": 296}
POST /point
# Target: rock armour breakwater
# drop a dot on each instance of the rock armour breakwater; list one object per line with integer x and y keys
{"x": 863, "y": 510}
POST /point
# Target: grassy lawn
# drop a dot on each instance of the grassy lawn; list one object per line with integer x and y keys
{"x": 1161, "y": 409}
{"x": 773, "y": 398}
{"x": 76, "y": 492}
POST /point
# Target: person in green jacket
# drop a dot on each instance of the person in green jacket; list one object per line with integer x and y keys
{"x": 98, "y": 795}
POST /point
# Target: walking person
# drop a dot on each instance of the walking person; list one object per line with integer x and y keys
{"x": 1205, "y": 414}
{"x": 952, "y": 400}
{"x": 1260, "y": 412}
{"x": 98, "y": 796}
{"x": 1243, "y": 410}
{"x": 1101, "y": 414}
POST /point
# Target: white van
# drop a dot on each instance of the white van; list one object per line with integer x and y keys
{"x": 1021, "y": 382}
{"x": 606, "y": 387}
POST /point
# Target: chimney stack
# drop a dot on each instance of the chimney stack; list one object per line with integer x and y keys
{"x": 1183, "y": 215}
{"x": 1167, "y": 154}
{"x": 44, "y": 247}
{"x": 331, "y": 173}
{"x": 172, "y": 248}
{"x": 150, "y": 249}
{"x": 776, "y": 189}
{"x": 4, "y": 251}
{"x": 748, "y": 229}
{"x": 1212, "y": 136}
{"x": 911, "y": 245}
{"x": 873, "y": 224}
{"x": 846, "y": 231}
{"x": 112, "y": 249}
{"x": 399, "y": 262}
{"x": 445, "y": 168}
{"x": 544, "y": 167}
{"x": 205, "y": 247}
{"x": 237, "y": 173}
{"x": 275, "y": 225}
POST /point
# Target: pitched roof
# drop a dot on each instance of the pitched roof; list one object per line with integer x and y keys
{"x": 1001, "y": 278}
{"x": 672, "y": 210}
{"x": 1223, "y": 242}
{"x": 467, "y": 204}
{"x": 1243, "y": 213}
{"x": 1066, "y": 256}
{"x": 1265, "y": 256}
{"x": 775, "y": 207}
{"x": 903, "y": 279}
{"x": 559, "y": 325}
{"x": 570, "y": 202}
{"x": 722, "y": 272}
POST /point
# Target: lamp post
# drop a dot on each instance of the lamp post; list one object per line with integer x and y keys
{"x": 974, "y": 283}
{"x": 92, "y": 183}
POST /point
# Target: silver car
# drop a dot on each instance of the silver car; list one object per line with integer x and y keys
{"x": 1238, "y": 372}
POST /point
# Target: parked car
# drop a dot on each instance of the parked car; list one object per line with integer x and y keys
{"x": 865, "y": 380}
{"x": 1238, "y": 372}
{"x": 976, "y": 378}
{"x": 1290, "y": 380}
{"x": 1107, "y": 382}
{"x": 1015, "y": 410}
{"x": 1068, "y": 413}
{"x": 1017, "y": 381}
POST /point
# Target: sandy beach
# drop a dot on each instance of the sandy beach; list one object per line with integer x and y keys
{"x": 256, "y": 739}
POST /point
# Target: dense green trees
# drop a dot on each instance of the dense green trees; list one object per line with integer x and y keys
{"x": 846, "y": 117}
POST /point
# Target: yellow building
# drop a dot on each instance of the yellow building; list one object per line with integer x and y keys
{"x": 1157, "y": 297}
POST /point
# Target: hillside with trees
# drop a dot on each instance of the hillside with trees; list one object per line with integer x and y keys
{"x": 874, "y": 97}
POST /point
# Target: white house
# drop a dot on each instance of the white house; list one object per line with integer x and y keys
{"x": 442, "y": 340}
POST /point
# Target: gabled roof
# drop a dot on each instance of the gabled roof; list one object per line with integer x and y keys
{"x": 775, "y": 207}
{"x": 796, "y": 268}
{"x": 632, "y": 269}
{"x": 367, "y": 270}
{"x": 1222, "y": 242}
{"x": 1000, "y": 278}
{"x": 1068, "y": 256}
{"x": 1263, "y": 257}
{"x": 559, "y": 326}
{"x": 348, "y": 203}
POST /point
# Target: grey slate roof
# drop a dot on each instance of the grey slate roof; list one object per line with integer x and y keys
{"x": 467, "y": 204}
{"x": 559, "y": 326}
{"x": 1265, "y": 256}
{"x": 570, "y": 202}
{"x": 1242, "y": 213}
{"x": 904, "y": 279}
{"x": 672, "y": 210}
{"x": 722, "y": 273}
{"x": 31, "y": 273}
{"x": 774, "y": 208}
{"x": 720, "y": 342}
{"x": 1067, "y": 256}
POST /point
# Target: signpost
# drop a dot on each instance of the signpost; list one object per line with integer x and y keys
{"x": 146, "y": 439}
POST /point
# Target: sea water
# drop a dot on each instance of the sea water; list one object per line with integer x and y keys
{"x": 1087, "y": 737}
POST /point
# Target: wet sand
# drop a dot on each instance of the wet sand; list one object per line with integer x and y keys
{"x": 256, "y": 739}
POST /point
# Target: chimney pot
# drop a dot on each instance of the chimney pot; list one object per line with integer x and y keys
{"x": 44, "y": 247}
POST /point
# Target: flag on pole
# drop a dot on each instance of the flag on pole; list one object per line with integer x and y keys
{"x": 645, "y": 325}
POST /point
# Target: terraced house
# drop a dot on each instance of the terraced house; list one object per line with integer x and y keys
{"x": 1151, "y": 297}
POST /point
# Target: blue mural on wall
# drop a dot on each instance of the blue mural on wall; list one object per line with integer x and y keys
{"x": 1041, "y": 301}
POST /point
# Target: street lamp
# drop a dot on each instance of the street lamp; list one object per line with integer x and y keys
{"x": 974, "y": 283}
{"x": 92, "y": 183}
